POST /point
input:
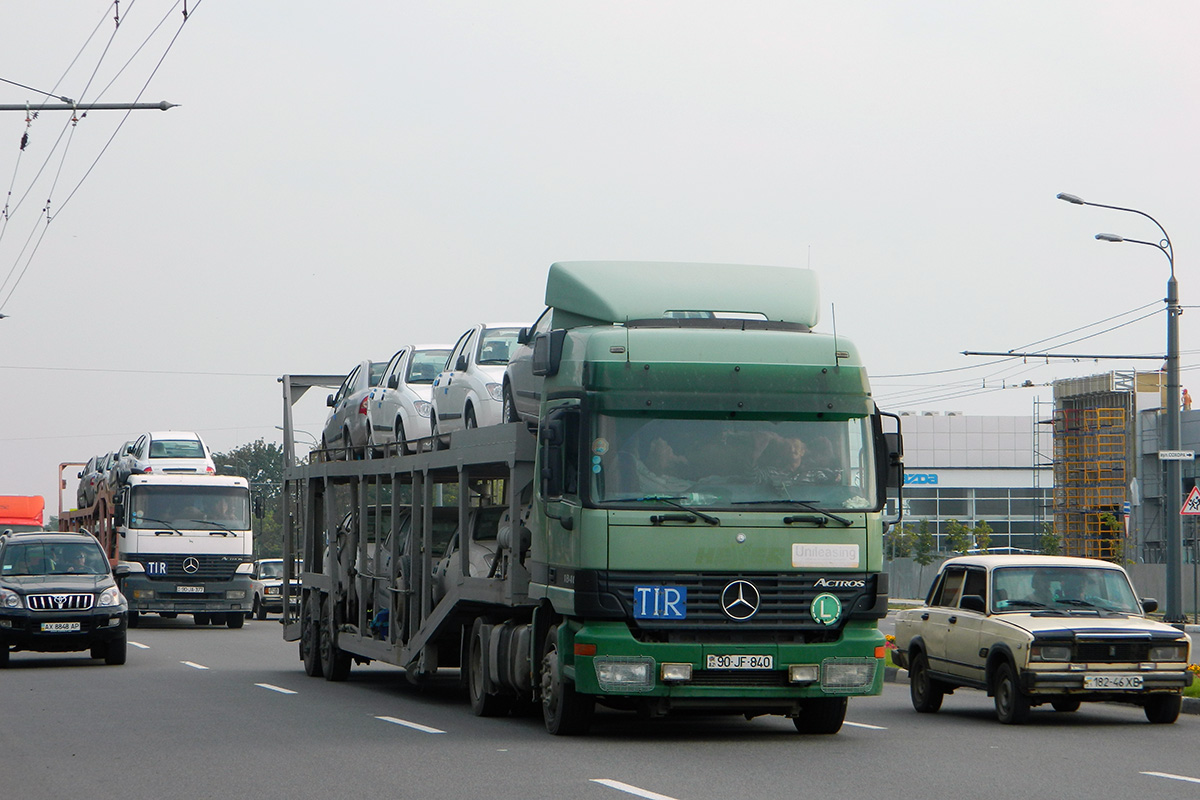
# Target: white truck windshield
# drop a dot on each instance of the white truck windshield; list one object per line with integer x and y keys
{"x": 225, "y": 507}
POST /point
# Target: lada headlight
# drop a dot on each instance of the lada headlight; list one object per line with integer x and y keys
{"x": 1168, "y": 652}
{"x": 1050, "y": 652}
{"x": 10, "y": 599}
{"x": 110, "y": 597}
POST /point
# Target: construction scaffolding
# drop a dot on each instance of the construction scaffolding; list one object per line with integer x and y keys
{"x": 1093, "y": 427}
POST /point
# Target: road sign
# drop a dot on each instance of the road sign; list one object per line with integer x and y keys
{"x": 1176, "y": 455}
{"x": 1191, "y": 506}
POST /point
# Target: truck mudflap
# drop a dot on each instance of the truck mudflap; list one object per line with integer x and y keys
{"x": 188, "y": 596}
{"x": 609, "y": 663}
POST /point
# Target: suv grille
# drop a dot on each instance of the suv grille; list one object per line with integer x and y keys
{"x": 60, "y": 602}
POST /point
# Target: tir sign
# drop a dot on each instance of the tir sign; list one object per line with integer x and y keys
{"x": 660, "y": 602}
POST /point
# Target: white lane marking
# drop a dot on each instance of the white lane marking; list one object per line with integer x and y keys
{"x": 140, "y": 645}
{"x": 633, "y": 790}
{"x": 275, "y": 688}
{"x": 1169, "y": 776}
{"x": 414, "y": 725}
{"x": 864, "y": 725}
{"x": 193, "y": 665}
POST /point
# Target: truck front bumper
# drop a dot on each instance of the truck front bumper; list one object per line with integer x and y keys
{"x": 187, "y": 597}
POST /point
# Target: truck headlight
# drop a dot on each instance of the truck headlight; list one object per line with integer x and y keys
{"x": 848, "y": 674}
{"x": 625, "y": 674}
{"x": 235, "y": 594}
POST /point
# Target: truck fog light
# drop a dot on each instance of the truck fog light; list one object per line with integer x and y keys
{"x": 235, "y": 594}
{"x": 676, "y": 672}
{"x": 848, "y": 674}
{"x": 625, "y": 674}
{"x": 143, "y": 594}
{"x": 804, "y": 673}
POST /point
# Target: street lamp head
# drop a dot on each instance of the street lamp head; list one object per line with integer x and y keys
{"x": 1070, "y": 198}
{"x": 1109, "y": 237}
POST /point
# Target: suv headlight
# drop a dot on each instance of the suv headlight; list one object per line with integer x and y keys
{"x": 1168, "y": 652}
{"x": 496, "y": 391}
{"x": 110, "y": 597}
{"x": 10, "y": 599}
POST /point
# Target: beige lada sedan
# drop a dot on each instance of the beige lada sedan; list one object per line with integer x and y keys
{"x": 1031, "y": 630}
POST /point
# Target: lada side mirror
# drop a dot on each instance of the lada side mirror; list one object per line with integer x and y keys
{"x": 972, "y": 602}
{"x": 1149, "y": 605}
{"x": 547, "y": 352}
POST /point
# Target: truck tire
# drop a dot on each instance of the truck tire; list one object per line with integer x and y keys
{"x": 235, "y": 620}
{"x": 1012, "y": 705}
{"x": 565, "y": 712}
{"x": 821, "y": 715}
{"x": 200, "y": 619}
{"x": 483, "y": 703}
{"x": 925, "y": 692}
{"x": 1163, "y": 709}
{"x": 114, "y": 651}
{"x": 309, "y": 643}
{"x": 335, "y": 662}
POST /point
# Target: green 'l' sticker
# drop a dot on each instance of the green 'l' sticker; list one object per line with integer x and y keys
{"x": 826, "y": 608}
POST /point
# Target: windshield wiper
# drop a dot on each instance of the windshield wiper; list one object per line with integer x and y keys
{"x": 1025, "y": 603}
{"x": 1067, "y": 601}
{"x": 225, "y": 530}
{"x": 809, "y": 504}
{"x": 174, "y": 530}
{"x": 672, "y": 501}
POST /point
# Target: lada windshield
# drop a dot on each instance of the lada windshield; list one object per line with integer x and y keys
{"x": 195, "y": 507}
{"x": 726, "y": 463}
{"x": 1037, "y": 588}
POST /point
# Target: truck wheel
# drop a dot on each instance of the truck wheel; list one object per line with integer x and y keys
{"x": 483, "y": 704}
{"x": 132, "y": 619}
{"x": 259, "y": 611}
{"x": 200, "y": 619}
{"x": 217, "y": 619}
{"x": 821, "y": 715}
{"x": 335, "y": 662}
{"x": 114, "y": 652}
{"x": 1012, "y": 705}
{"x": 564, "y": 711}
{"x": 309, "y": 643}
{"x": 1163, "y": 709}
{"x": 925, "y": 692}
{"x": 235, "y": 620}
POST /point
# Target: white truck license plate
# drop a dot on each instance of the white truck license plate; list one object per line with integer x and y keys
{"x": 1119, "y": 681}
{"x": 740, "y": 662}
{"x": 190, "y": 589}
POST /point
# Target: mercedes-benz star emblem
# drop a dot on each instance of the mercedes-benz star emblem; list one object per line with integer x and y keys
{"x": 191, "y": 565}
{"x": 740, "y": 600}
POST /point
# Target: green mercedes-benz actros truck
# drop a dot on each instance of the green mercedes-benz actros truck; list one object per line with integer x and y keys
{"x": 692, "y": 521}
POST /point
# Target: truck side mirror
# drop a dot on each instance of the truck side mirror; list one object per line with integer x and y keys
{"x": 550, "y": 437}
{"x": 547, "y": 352}
{"x": 258, "y": 506}
{"x": 119, "y": 512}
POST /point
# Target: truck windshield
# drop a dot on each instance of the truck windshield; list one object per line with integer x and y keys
{"x": 726, "y": 463}
{"x": 221, "y": 507}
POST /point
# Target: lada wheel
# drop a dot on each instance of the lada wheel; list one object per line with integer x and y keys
{"x": 1163, "y": 709}
{"x": 564, "y": 711}
{"x": 821, "y": 715}
{"x": 926, "y": 693}
{"x": 1012, "y": 705}
{"x": 483, "y": 703}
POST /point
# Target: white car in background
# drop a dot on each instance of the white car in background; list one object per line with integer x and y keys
{"x": 170, "y": 452}
{"x": 398, "y": 408}
{"x": 345, "y": 433}
{"x": 469, "y": 392}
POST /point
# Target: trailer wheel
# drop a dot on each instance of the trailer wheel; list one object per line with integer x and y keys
{"x": 565, "y": 712}
{"x": 483, "y": 703}
{"x": 309, "y": 637}
{"x": 335, "y": 662}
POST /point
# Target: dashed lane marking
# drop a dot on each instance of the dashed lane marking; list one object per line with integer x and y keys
{"x": 193, "y": 665}
{"x": 139, "y": 645}
{"x": 275, "y": 688}
{"x": 633, "y": 790}
{"x": 416, "y": 726}
{"x": 865, "y": 725}
{"x": 1169, "y": 776}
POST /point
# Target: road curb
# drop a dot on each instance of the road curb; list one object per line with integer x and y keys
{"x": 1191, "y": 705}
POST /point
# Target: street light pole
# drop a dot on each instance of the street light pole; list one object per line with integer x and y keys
{"x": 1173, "y": 494}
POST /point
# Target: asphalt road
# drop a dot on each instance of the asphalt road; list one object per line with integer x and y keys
{"x": 212, "y": 712}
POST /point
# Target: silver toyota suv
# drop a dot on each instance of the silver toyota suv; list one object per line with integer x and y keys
{"x": 1041, "y": 629}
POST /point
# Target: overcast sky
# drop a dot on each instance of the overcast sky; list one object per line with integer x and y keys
{"x": 342, "y": 179}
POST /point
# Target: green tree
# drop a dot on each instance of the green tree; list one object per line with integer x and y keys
{"x": 261, "y": 464}
{"x": 924, "y": 545}
{"x": 1050, "y": 541}
{"x": 983, "y": 535}
{"x": 958, "y": 536}
{"x": 898, "y": 542}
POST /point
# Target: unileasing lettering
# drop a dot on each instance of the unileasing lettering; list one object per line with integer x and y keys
{"x": 660, "y": 602}
{"x": 824, "y": 555}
